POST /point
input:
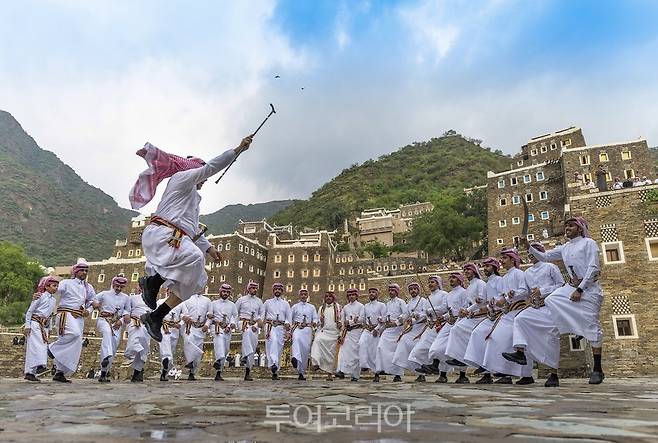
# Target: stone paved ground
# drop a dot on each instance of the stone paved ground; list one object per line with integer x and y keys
{"x": 620, "y": 410}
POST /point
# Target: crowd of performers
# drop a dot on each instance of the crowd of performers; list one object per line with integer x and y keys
{"x": 499, "y": 327}
{"x": 497, "y": 324}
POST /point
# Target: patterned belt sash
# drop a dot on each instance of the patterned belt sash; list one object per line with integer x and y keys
{"x": 538, "y": 303}
{"x": 109, "y": 317}
{"x": 269, "y": 324}
{"x": 176, "y": 236}
{"x": 188, "y": 326}
{"x": 137, "y": 322}
{"x": 76, "y": 313}
{"x": 219, "y": 326}
{"x": 43, "y": 321}
{"x": 516, "y": 306}
{"x": 168, "y": 325}
{"x": 247, "y": 322}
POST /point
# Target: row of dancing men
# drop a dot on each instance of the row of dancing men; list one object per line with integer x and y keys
{"x": 499, "y": 326}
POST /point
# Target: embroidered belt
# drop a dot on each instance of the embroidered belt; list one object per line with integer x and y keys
{"x": 538, "y": 303}
{"x": 269, "y": 324}
{"x": 137, "y": 322}
{"x": 43, "y": 321}
{"x": 176, "y": 236}
{"x": 110, "y": 317}
{"x": 168, "y": 325}
{"x": 219, "y": 326}
{"x": 76, "y": 313}
{"x": 188, "y": 326}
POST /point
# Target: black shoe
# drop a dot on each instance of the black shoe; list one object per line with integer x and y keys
{"x": 422, "y": 369}
{"x": 479, "y": 371}
{"x": 293, "y": 362}
{"x": 486, "y": 379}
{"x": 376, "y": 378}
{"x": 364, "y": 369}
{"x": 247, "y": 375}
{"x": 50, "y": 354}
{"x": 59, "y": 376}
{"x": 32, "y": 377}
{"x": 517, "y": 357}
{"x": 442, "y": 379}
{"x": 462, "y": 380}
{"x": 150, "y": 287}
{"x": 41, "y": 370}
{"x": 420, "y": 379}
{"x": 106, "y": 362}
{"x": 152, "y": 326}
{"x": 455, "y": 362}
{"x": 275, "y": 376}
{"x": 190, "y": 365}
{"x": 301, "y": 377}
{"x": 525, "y": 381}
{"x": 103, "y": 378}
{"x": 218, "y": 376}
{"x": 165, "y": 364}
{"x": 429, "y": 369}
{"x": 504, "y": 380}
{"x": 217, "y": 365}
{"x": 397, "y": 379}
{"x": 354, "y": 379}
{"x": 163, "y": 376}
{"x": 596, "y": 378}
{"x": 340, "y": 374}
{"x": 191, "y": 377}
{"x": 552, "y": 381}
{"x": 135, "y": 377}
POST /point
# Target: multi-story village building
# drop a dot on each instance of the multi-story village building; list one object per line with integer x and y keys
{"x": 380, "y": 224}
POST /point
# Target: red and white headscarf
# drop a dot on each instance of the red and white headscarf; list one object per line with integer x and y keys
{"x": 473, "y": 267}
{"x": 491, "y": 261}
{"x": 438, "y": 280}
{"x": 45, "y": 281}
{"x": 374, "y": 289}
{"x": 459, "y": 276}
{"x": 395, "y": 287}
{"x": 225, "y": 287}
{"x": 80, "y": 266}
{"x": 252, "y": 284}
{"x": 277, "y": 285}
{"x": 161, "y": 165}
{"x": 351, "y": 291}
{"x": 301, "y": 291}
{"x": 412, "y": 284}
{"x": 120, "y": 280}
{"x": 581, "y": 223}
{"x": 513, "y": 254}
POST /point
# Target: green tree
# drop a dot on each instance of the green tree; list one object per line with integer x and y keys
{"x": 378, "y": 250}
{"x": 18, "y": 278}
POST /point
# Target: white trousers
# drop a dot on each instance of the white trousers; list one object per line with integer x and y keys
{"x": 348, "y": 357}
{"x": 536, "y": 333}
{"x": 68, "y": 346}
{"x": 578, "y": 318}
{"x": 386, "y": 351}
{"x": 301, "y": 347}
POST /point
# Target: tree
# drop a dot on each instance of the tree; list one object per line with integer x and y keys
{"x": 378, "y": 250}
{"x": 18, "y": 278}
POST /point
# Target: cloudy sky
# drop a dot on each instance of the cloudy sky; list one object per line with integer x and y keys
{"x": 93, "y": 80}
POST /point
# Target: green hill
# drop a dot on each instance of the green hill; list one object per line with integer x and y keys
{"x": 226, "y": 219}
{"x": 47, "y": 208}
{"x": 417, "y": 172}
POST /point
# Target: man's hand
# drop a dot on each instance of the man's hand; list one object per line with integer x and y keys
{"x": 85, "y": 313}
{"x": 375, "y": 333}
{"x": 254, "y": 329}
{"x": 26, "y": 331}
{"x": 244, "y": 145}
{"x": 214, "y": 254}
{"x": 117, "y": 324}
{"x": 36, "y": 296}
{"x": 576, "y": 296}
{"x": 287, "y": 327}
{"x": 205, "y": 328}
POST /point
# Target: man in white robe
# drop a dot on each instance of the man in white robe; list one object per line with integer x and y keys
{"x": 75, "y": 298}
{"x": 535, "y": 332}
{"x": 453, "y": 303}
{"x": 374, "y": 312}
{"x": 470, "y": 316}
{"x": 352, "y": 317}
{"x": 500, "y": 338}
{"x": 576, "y": 307}
{"x": 474, "y": 354}
{"x": 276, "y": 318}
{"x": 222, "y": 321}
{"x": 111, "y": 306}
{"x": 413, "y": 328}
{"x": 138, "y": 344}
{"x": 171, "y": 332}
{"x": 194, "y": 313}
{"x": 173, "y": 242}
{"x": 249, "y": 307}
{"x": 396, "y": 315}
{"x": 304, "y": 319}
{"x": 433, "y": 324}
{"x": 323, "y": 349}
{"x": 37, "y": 327}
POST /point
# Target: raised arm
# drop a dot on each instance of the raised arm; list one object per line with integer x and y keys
{"x": 550, "y": 255}
{"x": 593, "y": 265}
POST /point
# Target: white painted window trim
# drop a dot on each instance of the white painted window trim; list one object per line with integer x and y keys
{"x": 647, "y": 242}
{"x": 622, "y": 257}
{"x": 571, "y": 348}
{"x": 633, "y": 325}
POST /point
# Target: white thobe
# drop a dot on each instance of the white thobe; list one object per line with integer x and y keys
{"x": 352, "y": 317}
{"x": 396, "y": 312}
{"x": 249, "y": 309}
{"x": 581, "y": 259}
{"x": 138, "y": 345}
{"x": 36, "y": 345}
{"x": 534, "y": 328}
{"x": 417, "y": 307}
{"x": 275, "y": 309}
{"x": 460, "y": 333}
{"x": 73, "y": 294}
{"x": 374, "y": 312}
{"x": 323, "y": 349}
{"x": 474, "y": 354}
{"x": 196, "y": 308}
{"x": 112, "y": 307}
{"x": 302, "y": 315}
{"x": 420, "y": 353}
{"x": 183, "y": 268}
{"x": 501, "y": 339}
{"x": 171, "y": 331}
{"x": 453, "y": 302}
{"x": 224, "y": 318}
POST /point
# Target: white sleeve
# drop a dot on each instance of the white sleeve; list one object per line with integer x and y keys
{"x": 190, "y": 178}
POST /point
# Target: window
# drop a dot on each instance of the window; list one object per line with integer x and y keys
{"x": 540, "y": 176}
{"x": 118, "y": 254}
{"x": 304, "y": 257}
{"x": 628, "y": 173}
{"x": 337, "y": 259}
{"x": 613, "y": 252}
{"x": 543, "y": 195}
{"x": 277, "y": 258}
{"x": 130, "y": 252}
{"x": 566, "y": 142}
{"x": 553, "y": 146}
{"x": 516, "y": 220}
{"x": 519, "y": 163}
{"x": 316, "y": 287}
{"x": 362, "y": 286}
{"x": 291, "y": 258}
{"x": 316, "y": 257}
{"x": 499, "y": 241}
{"x": 351, "y": 271}
{"x": 240, "y": 264}
{"x": 530, "y": 237}
{"x": 226, "y": 262}
{"x": 533, "y": 152}
{"x": 652, "y": 248}
{"x": 608, "y": 177}
{"x": 385, "y": 267}
{"x": 220, "y": 247}
{"x": 587, "y": 177}
{"x": 291, "y": 273}
{"x": 528, "y": 198}
{"x": 584, "y": 160}
{"x": 250, "y": 230}
{"x": 543, "y": 148}
{"x": 251, "y": 268}
{"x": 394, "y": 267}
{"x": 239, "y": 279}
{"x": 360, "y": 270}
{"x": 626, "y": 155}
{"x": 101, "y": 278}
{"x": 625, "y": 326}
{"x": 212, "y": 279}
{"x": 332, "y": 287}
{"x": 411, "y": 266}
{"x": 304, "y": 273}
{"x": 531, "y": 217}
{"x": 341, "y": 287}
{"x": 350, "y": 258}
{"x": 94, "y": 315}
{"x": 543, "y": 215}
{"x": 575, "y": 345}
{"x": 513, "y": 181}
{"x": 515, "y": 241}
{"x": 341, "y": 271}
{"x": 276, "y": 274}
{"x": 526, "y": 178}
{"x": 206, "y": 290}
{"x": 516, "y": 200}
{"x": 253, "y": 251}
{"x": 501, "y": 183}
{"x": 379, "y": 268}
{"x": 603, "y": 157}
{"x": 288, "y": 287}
{"x": 403, "y": 266}
{"x": 228, "y": 246}
{"x": 138, "y": 252}
{"x": 134, "y": 276}
{"x": 502, "y": 223}
{"x": 304, "y": 286}
{"x": 316, "y": 272}
{"x": 503, "y": 202}
{"x": 344, "y": 259}
{"x": 240, "y": 247}
{"x": 125, "y": 335}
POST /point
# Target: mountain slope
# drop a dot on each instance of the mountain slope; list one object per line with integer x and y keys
{"x": 226, "y": 219}
{"x": 415, "y": 172}
{"x": 47, "y": 208}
